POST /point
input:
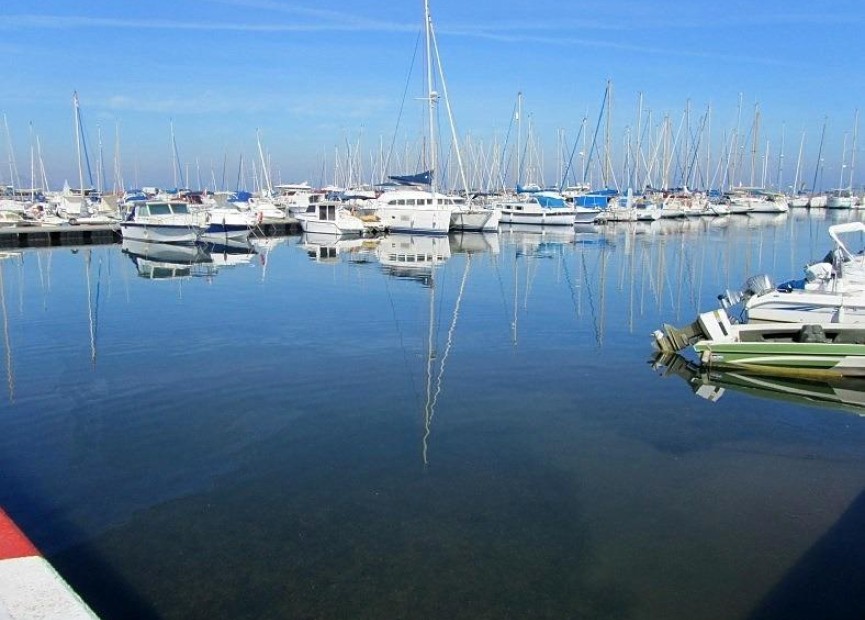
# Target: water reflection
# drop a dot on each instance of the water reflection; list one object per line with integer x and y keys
{"x": 230, "y": 253}
{"x": 412, "y": 256}
{"x": 436, "y": 438}
{"x": 7, "y": 342}
{"x": 163, "y": 261}
{"x": 325, "y": 248}
{"x": 845, "y": 394}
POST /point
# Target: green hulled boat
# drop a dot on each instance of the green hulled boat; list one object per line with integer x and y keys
{"x": 827, "y": 349}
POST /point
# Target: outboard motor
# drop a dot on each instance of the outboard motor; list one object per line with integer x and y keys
{"x": 757, "y": 285}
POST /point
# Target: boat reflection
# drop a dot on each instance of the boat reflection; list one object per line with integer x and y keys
{"x": 532, "y": 234}
{"x": 161, "y": 261}
{"x": 325, "y": 248}
{"x": 474, "y": 242}
{"x": 846, "y": 394}
{"x": 412, "y": 256}
{"x": 230, "y": 253}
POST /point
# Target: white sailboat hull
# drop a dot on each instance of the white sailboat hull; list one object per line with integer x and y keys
{"x": 475, "y": 219}
{"x": 399, "y": 219}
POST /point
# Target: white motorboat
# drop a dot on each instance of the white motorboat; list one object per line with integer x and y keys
{"x": 227, "y": 223}
{"x": 540, "y": 208}
{"x": 162, "y": 222}
{"x": 832, "y": 291}
{"x": 328, "y": 217}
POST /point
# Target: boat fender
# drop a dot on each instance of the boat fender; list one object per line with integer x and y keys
{"x": 259, "y": 217}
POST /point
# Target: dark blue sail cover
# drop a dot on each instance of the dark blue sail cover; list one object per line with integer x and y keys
{"x": 421, "y": 178}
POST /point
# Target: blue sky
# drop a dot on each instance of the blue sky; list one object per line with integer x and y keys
{"x": 314, "y": 77}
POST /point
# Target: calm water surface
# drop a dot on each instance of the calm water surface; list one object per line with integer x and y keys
{"x": 337, "y": 432}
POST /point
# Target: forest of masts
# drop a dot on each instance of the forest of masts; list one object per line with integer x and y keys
{"x": 673, "y": 151}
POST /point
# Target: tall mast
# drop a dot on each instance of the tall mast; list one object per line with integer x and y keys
{"x": 32, "y": 166}
{"x": 519, "y": 158}
{"x": 100, "y": 167}
{"x": 454, "y": 138}
{"x": 174, "y": 163}
{"x": 779, "y": 180}
{"x": 755, "y": 137}
{"x": 431, "y": 99}
{"x": 636, "y": 176}
{"x": 843, "y": 162}
{"x": 264, "y": 172}
{"x": 799, "y": 164}
{"x": 14, "y": 181}
{"x": 607, "y": 159}
{"x": 853, "y": 152}
{"x": 819, "y": 157}
{"x": 78, "y": 144}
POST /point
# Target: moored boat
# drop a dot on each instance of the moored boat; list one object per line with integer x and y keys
{"x": 813, "y": 349}
{"x": 162, "y": 222}
{"x": 329, "y": 217}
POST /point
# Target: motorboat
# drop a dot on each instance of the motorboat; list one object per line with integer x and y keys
{"x": 162, "y": 222}
{"x": 832, "y": 290}
{"x": 329, "y": 217}
{"x": 791, "y": 349}
{"x": 538, "y": 208}
{"x": 226, "y": 223}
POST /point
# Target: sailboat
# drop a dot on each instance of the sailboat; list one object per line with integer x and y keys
{"x": 415, "y": 210}
{"x": 81, "y": 206}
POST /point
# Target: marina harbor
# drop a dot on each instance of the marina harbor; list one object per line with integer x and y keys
{"x": 433, "y": 310}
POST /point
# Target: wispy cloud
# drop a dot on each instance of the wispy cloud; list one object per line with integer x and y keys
{"x": 218, "y": 103}
{"x": 71, "y": 22}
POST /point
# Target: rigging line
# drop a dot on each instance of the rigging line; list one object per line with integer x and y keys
{"x": 429, "y": 361}
{"x": 402, "y": 346}
{"x": 505, "y": 159}
{"x": 402, "y": 105}
{"x": 10, "y": 375}
{"x": 591, "y": 301}
{"x": 96, "y": 309}
{"x": 571, "y": 287}
{"x": 451, "y": 330}
{"x": 501, "y": 287}
{"x": 597, "y": 129}
{"x": 90, "y": 308}
{"x": 571, "y": 158}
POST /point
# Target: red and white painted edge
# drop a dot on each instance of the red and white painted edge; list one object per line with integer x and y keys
{"x": 30, "y": 588}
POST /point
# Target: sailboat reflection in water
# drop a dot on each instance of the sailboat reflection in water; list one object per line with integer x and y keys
{"x": 843, "y": 393}
{"x": 161, "y": 261}
{"x": 419, "y": 257}
{"x": 413, "y": 256}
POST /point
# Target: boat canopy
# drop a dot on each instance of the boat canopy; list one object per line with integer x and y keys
{"x": 421, "y": 178}
{"x": 240, "y": 196}
{"x": 597, "y": 201}
{"x": 549, "y": 199}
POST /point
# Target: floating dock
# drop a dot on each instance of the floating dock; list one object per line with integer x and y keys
{"x": 96, "y": 234}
